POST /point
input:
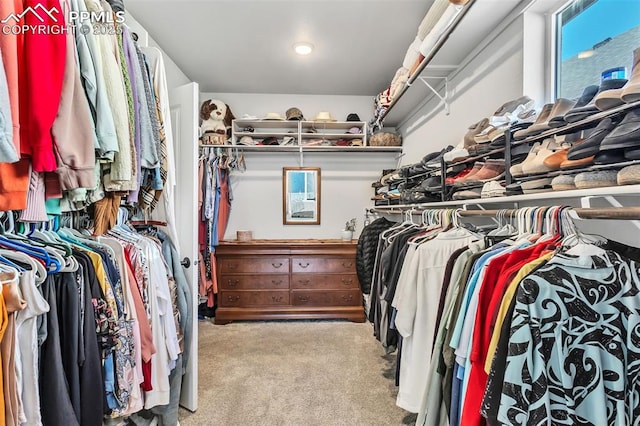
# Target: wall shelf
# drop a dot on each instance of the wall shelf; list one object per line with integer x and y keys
{"x": 308, "y": 149}
{"x": 628, "y": 190}
{"x": 426, "y": 61}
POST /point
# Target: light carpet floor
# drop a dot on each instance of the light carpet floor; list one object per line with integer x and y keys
{"x": 293, "y": 373}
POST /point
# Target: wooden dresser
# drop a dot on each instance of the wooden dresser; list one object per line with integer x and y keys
{"x": 287, "y": 279}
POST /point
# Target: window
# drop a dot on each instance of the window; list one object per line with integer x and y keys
{"x": 595, "y": 39}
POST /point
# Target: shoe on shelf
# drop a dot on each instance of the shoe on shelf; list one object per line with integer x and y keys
{"x": 493, "y": 169}
{"x": 543, "y": 118}
{"x": 514, "y": 189}
{"x": 517, "y": 170}
{"x": 577, "y": 114}
{"x": 450, "y": 180}
{"x": 587, "y": 96}
{"x": 554, "y": 161}
{"x": 536, "y": 185}
{"x": 511, "y": 111}
{"x": 559, "y": 109}
{"x": 591, "y": 145}
{"x": 632, "y": 153}
{"x": 435, "y": 162}
{"x": 536, "y": 164}
{"x": 478, "y": 165}
{"x": 455, "y": 154}
{"x": 577, "y": 164}
{"x": 631, "y": 91}
{"x": 468, "y": 194}
{"x": 596, "y": 179}
{"x": 626, "y": 134}
{"x": 563, "y": 183}
{"x": 629, "y": 175}
{"x": 492, "y": 189}
{"x": 611, "y": 156}
{"x": 473, "y": 130}
{"x": 431, "y": 184}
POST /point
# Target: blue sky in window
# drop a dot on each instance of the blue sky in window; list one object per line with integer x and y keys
{"x": 605, "y": 18}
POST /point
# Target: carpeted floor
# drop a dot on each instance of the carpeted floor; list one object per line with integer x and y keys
{"x": 293, "y": 373}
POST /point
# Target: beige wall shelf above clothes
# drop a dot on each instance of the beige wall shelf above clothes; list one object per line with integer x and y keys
{"x": 309, "y": 149}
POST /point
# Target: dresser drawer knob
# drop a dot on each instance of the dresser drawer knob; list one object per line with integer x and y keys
{"x": 303, "y": 298}
{"x": 306, "y": 265}
{"x": 276, "y": 282}
{"x": 347, "y": 265}
{"x": 348, "y": 298}
{"x": 277, "y": 298}
{"x": 276, "y": 265}
{"x": 233, "y": 298}
{"x": 233, "y": 283}
{"x": 305, "y": 282}
{"x": 347, "y": 282}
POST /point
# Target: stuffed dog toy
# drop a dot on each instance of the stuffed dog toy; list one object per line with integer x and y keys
{"x": 215, "y": 122}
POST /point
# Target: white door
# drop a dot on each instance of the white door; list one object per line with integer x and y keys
{"x": 184, "y": 119}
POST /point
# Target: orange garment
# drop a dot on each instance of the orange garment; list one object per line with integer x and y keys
{"x": 4, "y": 320}
{"x": 224, "y": 206}
{"x": 14, "y": 183}
{"x": 146, "y": 337}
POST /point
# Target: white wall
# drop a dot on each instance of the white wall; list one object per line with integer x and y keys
{"x": 346, "y": 177}
{"x": 492, "y": 78}
{"x": 175, "y": 76}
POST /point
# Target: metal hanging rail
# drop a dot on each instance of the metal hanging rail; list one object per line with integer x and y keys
{"x": 615, "y": 213}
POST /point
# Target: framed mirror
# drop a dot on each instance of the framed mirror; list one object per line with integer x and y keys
{"x": 301, "y": 195}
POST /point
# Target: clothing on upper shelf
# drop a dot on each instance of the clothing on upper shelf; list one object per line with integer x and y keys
{"x": 92, "y": 328}
{"x": 513, "y": 329}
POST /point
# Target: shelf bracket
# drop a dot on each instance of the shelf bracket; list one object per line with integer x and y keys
{"x": 585, "y": 202}
{"x": 443, "y": 98}
{"x": 480, "y": 207}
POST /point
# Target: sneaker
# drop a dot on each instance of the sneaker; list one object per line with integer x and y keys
{"x": 511, "y": 111}
{"x": 493, "y": 189}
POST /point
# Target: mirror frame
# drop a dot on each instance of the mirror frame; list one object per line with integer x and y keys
{"x": 285, "y": 188}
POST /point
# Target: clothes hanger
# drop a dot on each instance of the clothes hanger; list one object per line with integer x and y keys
{"x": 581, "y": 244}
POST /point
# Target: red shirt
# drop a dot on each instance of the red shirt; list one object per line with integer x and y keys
{"x": 499, "y": 273}
{"x": 41, "y": 69}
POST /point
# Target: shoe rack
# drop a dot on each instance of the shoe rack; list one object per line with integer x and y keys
{"x": 586, "y": 123}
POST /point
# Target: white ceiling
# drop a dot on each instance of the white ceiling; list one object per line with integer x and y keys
{"x": 245, "y": 46}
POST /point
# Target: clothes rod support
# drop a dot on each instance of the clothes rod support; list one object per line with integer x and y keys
{"x": 443, "y": 98}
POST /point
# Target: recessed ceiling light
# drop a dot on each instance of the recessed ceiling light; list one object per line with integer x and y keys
{"x": 303, "y": 48}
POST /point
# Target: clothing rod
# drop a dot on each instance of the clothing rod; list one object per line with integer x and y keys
{"x": 620, "y": 213}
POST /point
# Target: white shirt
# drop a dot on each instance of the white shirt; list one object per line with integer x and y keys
{"x": 417, "y": 313}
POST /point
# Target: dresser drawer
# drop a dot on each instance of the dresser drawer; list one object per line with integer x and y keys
{"x": 253, "y": 298}
{"x": 244, "y": 265}
{"x": 323, "y": 265}
{"x": 254, "y": 282}
{"x": 326, "y": 298}
{"x": 324, "y": 281}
